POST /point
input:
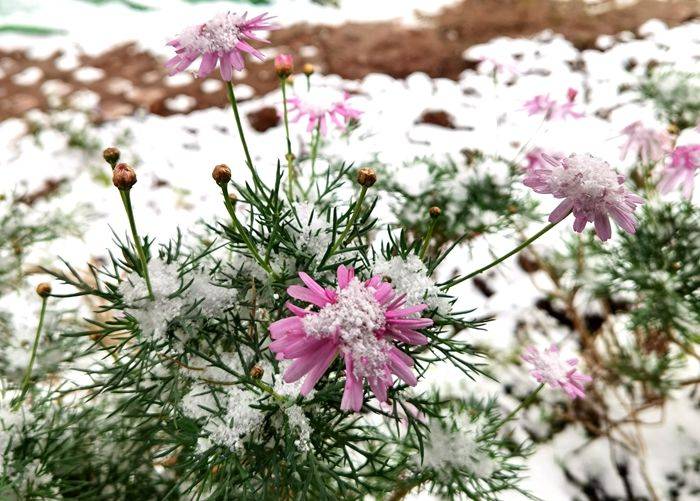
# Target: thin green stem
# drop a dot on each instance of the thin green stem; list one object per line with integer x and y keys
{"x": 504, "y": 257}
{"x": 426, "y": 238}
{"x": 35, "y": 346}
{"x": 314, "y": 147}
{"x": 308, "y": 83}
{"x": 126, "y": 200}
{"x": 351, "y": 224}
{"x": 290, "y": 157}
{"x": 522, "y": 405}
{"x": 234, "y": 106}
{"x": 243, "y": 233}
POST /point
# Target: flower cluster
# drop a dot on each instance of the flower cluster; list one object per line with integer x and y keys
{"x": 591, "y": 189}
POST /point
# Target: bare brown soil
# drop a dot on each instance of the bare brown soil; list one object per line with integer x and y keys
{"x": 135, "y": 79}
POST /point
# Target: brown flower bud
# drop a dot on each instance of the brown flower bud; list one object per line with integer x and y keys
{"x": 308, "y": 69}
{"x": 43, "y": 289}
{"x": 435, "y": 211}
{"x": 221, "y": 174}
{"x": 256, "y": 372}
{"x": 673, "y": 129}
{"x": 366, "y": 177}
{"x": 123, "y": 177}
{"x": 111, "y": 156}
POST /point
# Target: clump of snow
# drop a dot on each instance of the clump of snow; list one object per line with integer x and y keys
{"x": 409, "y": 276}
{"x": 457, "y": 449}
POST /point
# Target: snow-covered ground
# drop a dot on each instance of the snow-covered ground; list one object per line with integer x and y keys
{"x": 174, "y": 156}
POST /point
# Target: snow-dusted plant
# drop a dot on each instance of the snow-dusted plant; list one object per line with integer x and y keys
{"x": 281, "y": 354}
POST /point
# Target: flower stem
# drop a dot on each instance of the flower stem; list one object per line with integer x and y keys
{"x": 243, "y": 233}
{"x": 426, "y": 238}
{"x": 289, "y": 156}
{"x": 35, "y": 346}
{"x": 353, "y": 219}
{"x": 234, "y": 106}
{"x": 126, "y": 200}
{"x": 522, "y": 405}
{"x": 314, "y": 147}
{"x": 504, "y": 257}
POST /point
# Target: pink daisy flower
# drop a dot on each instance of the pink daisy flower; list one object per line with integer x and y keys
{"x": 508, "y": 66}
{"x": 222, "y": 39}
{"x": 680, "y": 169}
{"x": 552, "y": 109}
{"x": 534, "y": 159}
{"x": 549, "y": 368}
{"x": 648, "y": 145}
{"x": 358, "y": 321}
{"x": 591, "y": 189}
{"x": 321, "y": 104}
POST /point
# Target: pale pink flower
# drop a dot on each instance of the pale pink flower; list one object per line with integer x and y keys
{"x": 321, "y": 104}
{"x": 358, "y": 321}
{"x": 648, "y": 145}
{"x": 508, "y": 66}
{"x": 552, "y": 109}
{"x": 591, "y": 189}
{"x": 680, "y": 169}
{"x": 550, "y": 369}
{"x": 534, "y": 159}
{"x": 222, "y": 39}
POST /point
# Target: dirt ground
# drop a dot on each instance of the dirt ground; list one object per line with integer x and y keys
{"x": 132, "y": 79}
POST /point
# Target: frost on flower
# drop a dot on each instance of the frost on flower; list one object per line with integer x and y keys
{"x": 154, "y": 315}
{"x": 681, "y": 169}
{"x": 222, "y": 40}
{"x": 409, "y": 276}
{"x": 457, "y": 448}
{"x": 648, "y": 145}
{"x": 319, "y": 106}
{"x": 358, "y": 321}
{"x": 591, "y": 189}
{"x": 549, "y": 368}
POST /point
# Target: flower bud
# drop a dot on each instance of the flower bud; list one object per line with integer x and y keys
{"x": 571, "y": 94}
{"x": 284, "y": 65}
{"x": 221, "y": 174}
{"x": 111, "y": 156}
{"x": 673, "y": 129}
{"x": 256, "y": 372}
{"x": 366, "y": 177}
{"x": 123, "y": 177}
{"x": 43, "y": 289}
{"x": 435, "y": 211}
{"x": 308, "y": 69}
